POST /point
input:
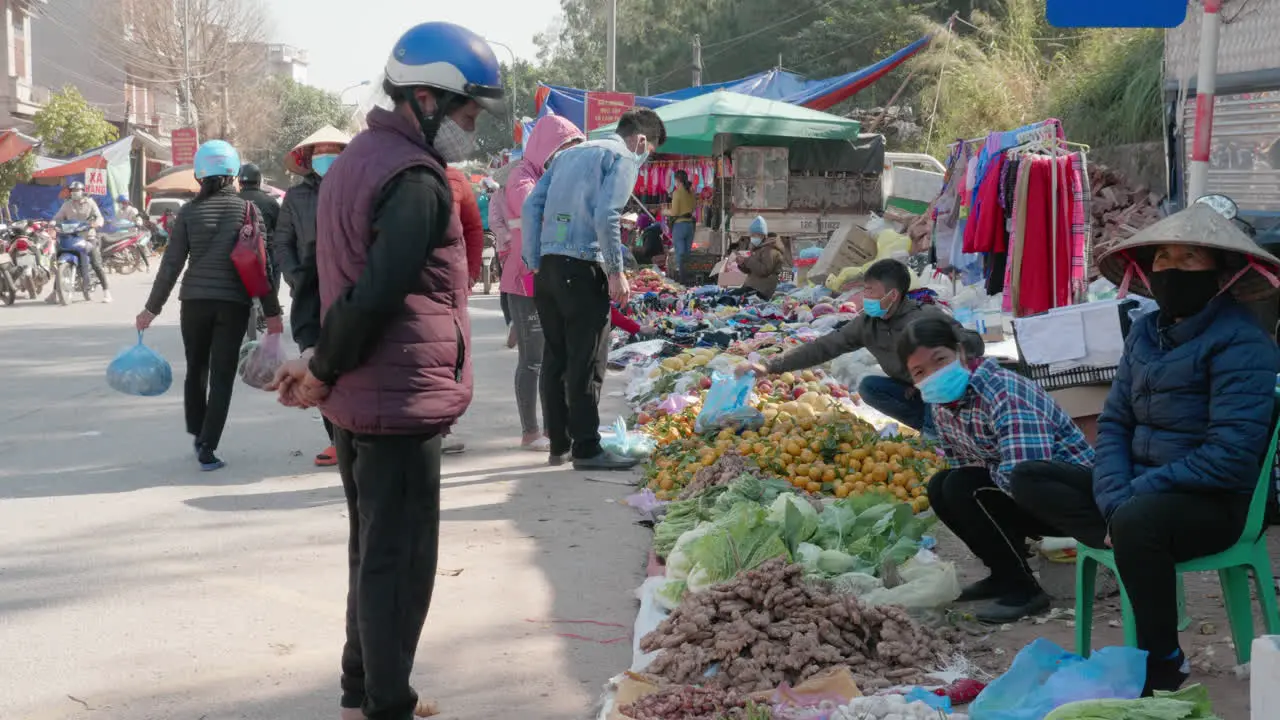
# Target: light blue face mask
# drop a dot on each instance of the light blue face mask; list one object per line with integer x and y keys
{"x": 321, "y": 163}
{"x": 947, "y": 385}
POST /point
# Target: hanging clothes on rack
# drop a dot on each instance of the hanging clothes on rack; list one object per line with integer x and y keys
{"x": 1045, "y": 270}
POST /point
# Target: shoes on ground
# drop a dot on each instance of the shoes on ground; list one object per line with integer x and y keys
{"x": 1167, "y": 674}
{"x": 327, "y": 457}
{"x": 1014, "y": 606}
{"x": 453, "y": 447}
{"x": 106, "y": 296}
{"x": 542, "y": 444}
{"x": 511, "y": 337}
{"x": 208, "y": 461}
{"x": 558, "y": 459}
{"x": 605, "y": 460}
{"x": 990, "y": 588}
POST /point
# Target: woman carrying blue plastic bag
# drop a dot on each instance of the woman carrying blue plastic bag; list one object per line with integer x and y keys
{"x": 215, "y": 303}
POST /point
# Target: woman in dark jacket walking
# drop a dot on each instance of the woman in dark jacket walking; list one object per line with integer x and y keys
{"x": 295, "y": 244}
{"x": 215, "y": 304}
{"x": 1181, "y": 438}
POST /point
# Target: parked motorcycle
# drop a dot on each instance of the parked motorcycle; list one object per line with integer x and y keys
{"x": 490, "y": 266}
{"x": 125, "y": 247}
{"x": 73, "y": 262}
{"x": 22, "y": 262}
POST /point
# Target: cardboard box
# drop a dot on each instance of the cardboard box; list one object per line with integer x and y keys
{"x": 849, "y": 246}
{"x": 1084, "y": 405}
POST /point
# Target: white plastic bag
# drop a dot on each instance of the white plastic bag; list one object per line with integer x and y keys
{"x": 259, "y": 364}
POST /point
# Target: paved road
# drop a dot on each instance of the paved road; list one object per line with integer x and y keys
{"x": 133, "y": 586}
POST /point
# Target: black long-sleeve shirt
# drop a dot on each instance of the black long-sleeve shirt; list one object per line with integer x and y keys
{"x": 410, "y": 220}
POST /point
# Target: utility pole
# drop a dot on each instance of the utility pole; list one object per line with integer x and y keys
{"x": 697, "y": 61}
{"x": 646, "y": 87}
{"x": 1206, "y": 87}
{"x": 186, "y": 62}
{"x": 226, "y": 105}
{"x": 611, "y": 53}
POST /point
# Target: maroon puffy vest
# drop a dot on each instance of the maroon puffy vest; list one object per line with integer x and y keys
{"x": 418, "y": 379}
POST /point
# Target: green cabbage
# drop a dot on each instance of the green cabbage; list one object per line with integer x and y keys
{"x": 670, "y": 593}
{"x": 740, "y": 540}
{"x": 796, "y": 517}
{"x": 1189, "y": 703}
{"x": 808, "y": 554}
{"x": 834, "y": 562}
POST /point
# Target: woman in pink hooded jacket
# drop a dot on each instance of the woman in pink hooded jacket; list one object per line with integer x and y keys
{"x": 551, "y": 135}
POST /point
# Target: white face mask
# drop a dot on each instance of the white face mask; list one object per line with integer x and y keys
{"x": 454, "y": 143}
{"x": 756, "y": 241}
{"x": 77, "y": 195}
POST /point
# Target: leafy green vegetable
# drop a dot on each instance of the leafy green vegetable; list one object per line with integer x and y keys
{"x": 740, "y": 540}
{"x": 834, "y": 562}
{"x": 1189, "y": 703}
{"x": 797, "y": 518}
{"x": 679, "y": 564}
{"x": 807, "y": 554}
{"x": 670, "y": 593}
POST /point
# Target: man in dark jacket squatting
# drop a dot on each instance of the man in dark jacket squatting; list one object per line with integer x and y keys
{"x": 391, "y": 369}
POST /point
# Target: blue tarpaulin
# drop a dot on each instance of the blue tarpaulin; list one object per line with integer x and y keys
{"x": 775, "y": 84}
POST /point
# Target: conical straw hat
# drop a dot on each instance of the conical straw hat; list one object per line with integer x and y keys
{"x": 326, "y": 134}
{"x": 1201, "y": 226}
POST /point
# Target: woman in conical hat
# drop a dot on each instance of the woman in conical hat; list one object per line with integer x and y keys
{"x": 295, "y": 242}
{"x": 1183, "y": 435}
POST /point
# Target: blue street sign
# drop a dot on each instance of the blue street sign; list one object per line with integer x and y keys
{"x": 1117, "y": 13}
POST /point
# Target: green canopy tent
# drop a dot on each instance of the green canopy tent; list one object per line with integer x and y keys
{"x": 694, "y": 124}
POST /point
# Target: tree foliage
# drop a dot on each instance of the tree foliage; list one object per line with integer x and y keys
{"x": 300, "y": 111}
{"x": 17, "y": 170}
{"x": 999, "y": 66}
{"x": 69, "y": 125}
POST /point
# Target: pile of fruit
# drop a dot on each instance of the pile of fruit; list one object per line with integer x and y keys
{"x": 810, "y": 438}
{"x": 650, "y": 280}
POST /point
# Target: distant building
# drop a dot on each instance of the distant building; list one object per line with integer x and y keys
{"x": 65, "y": 43}
{"x": 287, "y": 61}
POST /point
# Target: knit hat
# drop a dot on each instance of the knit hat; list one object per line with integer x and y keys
{"x": 643, "y": 221}
{"x": 758, "y": 226}
{"x": 1257, "y": 272}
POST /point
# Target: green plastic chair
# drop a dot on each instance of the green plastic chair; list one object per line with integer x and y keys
{"x": 1233, "y": 566}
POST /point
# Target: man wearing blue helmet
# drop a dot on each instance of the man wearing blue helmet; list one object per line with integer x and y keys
{"x": 392, "y": 369}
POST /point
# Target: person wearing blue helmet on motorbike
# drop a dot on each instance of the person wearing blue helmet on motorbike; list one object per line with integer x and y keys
{"x": 391, "y": 368}
{"x": 215, "y": 303}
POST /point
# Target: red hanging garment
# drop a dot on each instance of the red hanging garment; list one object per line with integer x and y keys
{"x": 1044, "y": 279}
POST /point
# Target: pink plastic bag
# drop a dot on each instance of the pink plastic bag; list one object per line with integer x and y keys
{"x": 259, "y": 361}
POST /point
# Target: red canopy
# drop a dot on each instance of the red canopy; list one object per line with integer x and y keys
{"x": 72, "y": 168}
{"x": 12, "y": 145}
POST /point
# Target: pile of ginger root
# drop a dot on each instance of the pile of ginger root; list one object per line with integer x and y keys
{"x": 769, "y": 625}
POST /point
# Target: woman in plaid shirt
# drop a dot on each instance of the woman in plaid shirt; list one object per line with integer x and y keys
{"x": 1003, "y": 436}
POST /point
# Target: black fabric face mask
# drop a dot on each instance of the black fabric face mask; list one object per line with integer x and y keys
{"x": 1183, "y": 293}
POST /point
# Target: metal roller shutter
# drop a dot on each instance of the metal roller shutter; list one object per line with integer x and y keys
{"x": 1244, "y": 162}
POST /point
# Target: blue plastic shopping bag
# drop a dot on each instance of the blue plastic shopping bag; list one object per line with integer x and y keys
{"x": 726, "y": 403}
{"x": 1044, "y": 677}
{"x": 139, "y": 370}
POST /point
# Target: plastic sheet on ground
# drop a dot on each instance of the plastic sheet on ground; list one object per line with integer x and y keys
{"x": 1044, "y": 677}
{"x": 636, "y": 353}
{"x": 850, "y": 368}
{"x": 651, "y": 613}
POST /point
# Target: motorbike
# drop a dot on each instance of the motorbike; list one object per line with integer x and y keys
{"x": 73, "y": 259}
{"x": 490, "y": 266}
{"x": 21, "y": 263}
{"x": 125, "y": 247}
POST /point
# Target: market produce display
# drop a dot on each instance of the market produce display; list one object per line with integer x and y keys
{"x": 890, "y": 707}
{"x": 692, "y": 703}
{"x": 768, "y": 626}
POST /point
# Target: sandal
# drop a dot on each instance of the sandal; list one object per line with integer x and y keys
{"x": 327, "y": 458}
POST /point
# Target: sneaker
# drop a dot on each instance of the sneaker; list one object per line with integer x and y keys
{"x": 605, "y": 460}
{"x": 557, "y": 459}
{"x": 1014, "y": 606}
{"x": 541, "y": 444}
{"x": 453, "y": 447}
{"x": 988, "y": 588}
{"x": 106, "y": 296}
{"x": 1167, "y": 674}
{"x": 208, "y": 461}
{"x": 327, "y": 457}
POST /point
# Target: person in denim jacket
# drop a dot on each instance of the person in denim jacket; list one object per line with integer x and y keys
{"x": 572, "y": 241}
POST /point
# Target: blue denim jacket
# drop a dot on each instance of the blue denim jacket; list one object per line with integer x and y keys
{"x": 575, "y": 208}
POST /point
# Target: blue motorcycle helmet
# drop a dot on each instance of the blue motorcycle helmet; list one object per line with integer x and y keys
{"x": 457, "y": 65}
{"x": 122, "y": 199}
{"x": 216, "y": 158}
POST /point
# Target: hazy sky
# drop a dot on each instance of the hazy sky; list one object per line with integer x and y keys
{"x": 349, "y": 41}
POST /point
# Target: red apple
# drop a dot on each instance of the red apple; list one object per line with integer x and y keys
{"x": 705, "y": 383}
{"x": 644, "y": 418}
{"x": 796, "y": 393}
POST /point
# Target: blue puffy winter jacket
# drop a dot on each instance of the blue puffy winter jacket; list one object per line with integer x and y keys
{"x": 1190, "y": 408}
